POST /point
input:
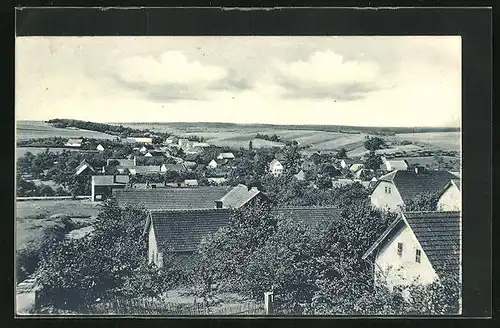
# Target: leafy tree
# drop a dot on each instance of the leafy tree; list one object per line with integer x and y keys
{"x": 374, "y": 143}
{"x": 250, "y": 145}
{"x": 342, "y": 153}
{"x": 373, "y": 161}
{"x": 422, "y": 202}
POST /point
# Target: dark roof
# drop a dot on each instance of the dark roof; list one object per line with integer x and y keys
{"x": 182, "y": 231}
{"x": 322, "y": 215}
{"x": 83, "y": 166}
{"x": 110, "y": 180}
{"x": 172, "y": 198}
{"x": 437, "y": 232}
{"x": 145, "y": 169}
{"x": 411, "y": 184}
{"x": 192, "y": 157}
{"x": 122, "y": 162}
{"x": 238, "y": 196}
{"x": 175, "y": 167}
{"x": 439, "y": 235}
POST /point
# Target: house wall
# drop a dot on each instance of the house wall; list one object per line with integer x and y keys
{"x": 277, "y": 169}
{"x": 212, "y": 164}
{"x": 152, "y": 246}
{"x": 382, "y": 200}
{"x": 450, "y": 200}
{"x": 394, "y": 270}
{"x": 105, "y": 191}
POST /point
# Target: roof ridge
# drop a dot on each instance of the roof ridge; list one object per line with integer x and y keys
{"x": 307, "y": 206}
{"x": 159, "y": 210}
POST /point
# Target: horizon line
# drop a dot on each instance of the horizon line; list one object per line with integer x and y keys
{"x": 270, "y": 124}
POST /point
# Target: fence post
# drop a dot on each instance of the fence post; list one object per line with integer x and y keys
{"x": 268, "y": 302}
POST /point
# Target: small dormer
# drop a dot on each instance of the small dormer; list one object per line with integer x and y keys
{"x": 218, "y": 204}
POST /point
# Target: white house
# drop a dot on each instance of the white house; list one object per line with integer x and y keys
{"x": 391, "y": 165}
{"x": 74, "y": 143}
{"x": 141, "y": 140}
{"x": 394, "y": 189}
{"x": 217, "y": 162}
{"x": 450, "y": 199}
{"x": 100, "y": 147}
{"x": 275, "y": 167}
{"x": 417, "y": 247}
{"x": 84, "y": 168}
{"x": 184, "y": 143}
{"x": 226, "y": 156}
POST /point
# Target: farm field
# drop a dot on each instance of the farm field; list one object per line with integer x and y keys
{"x": 37, "y": 129}
{"x": 239, "y": 135}
{"x": 442, "y": 140}
{"x": 30, "y": 228}
{"x": 68, "y": 207}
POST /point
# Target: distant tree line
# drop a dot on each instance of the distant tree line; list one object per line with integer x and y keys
{"x": 100, "y": 127}
{"x": 274, "y": 137}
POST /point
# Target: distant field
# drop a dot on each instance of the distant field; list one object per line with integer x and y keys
{"x": 239, "y": 135}
{"x": 442, "y": 140}
{"x": 37, "y": 129}
{"x": 29, "y": 229}
{"x": 51, "y": 207}
{"x": 21, "y": 151}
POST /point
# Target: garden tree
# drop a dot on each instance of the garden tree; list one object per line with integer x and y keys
{"x": 292, "y": 158}
{"x": 342, "y": 153}
{"x": 222, "y": 257}
{"x": 284, "y": 265}
{"x": 374, "y": 143}
{"x": 322, "y": 181}
{"x": 373, "y": 161}
{"x": 329, "y": 170}
{"x": 421, "y": 202}
{"x": 101, "y": 265}
{"x": 250, "y": 145}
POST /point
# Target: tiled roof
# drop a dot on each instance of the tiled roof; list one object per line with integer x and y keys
{"x": 145, "y": 169}
{"x": 83, "y": 165}
{"x": 238, "y": 196}
{"x": 110, "y": 180}
{"x": 75, "y": 141}
{"x": 194, "y": 150}
{"x": 172, "y": 198}
{"x": 192, "y": 157}
{"x": 398, "y": 164}
{"x": 313, "y": 215}
{"x": 411, "y": 184}
{"x": 175, "y": 167}
{"x": 300, "y": 176}
{"x": 226, "y": 155}
{"x": 439, "y": 235}
{"x": 122, "y": 162}
{"x": 183, "y": 230}
{"x": 191, "y": 182}
{"x": 356, "y": 167}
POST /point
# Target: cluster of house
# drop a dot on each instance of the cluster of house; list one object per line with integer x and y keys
{"x": 423, "y": 245}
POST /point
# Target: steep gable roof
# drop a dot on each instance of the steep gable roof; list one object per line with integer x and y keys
{"x": 437, "y": 232}
{"x": 83, "y": 166}
{"x": 439, "y": 235}
{"x": 411, "y": 184}
{"x": 183, "y": 230}
{"x": 192, "y": 157}
{"x": 238, "y": 196}
{"x": 172, "y": 198}
{"x": 273, "y": 162}
{"x": 174, "y": 167}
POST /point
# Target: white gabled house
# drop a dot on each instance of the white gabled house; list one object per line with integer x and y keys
{"x": 226, "y": 156}
{"x": 100, "y": 147}
{"x": 417, "y": 247}
{"x": 396, "y": 188}
{"x": 275, "y": 167}
{"x": 74, "y": 143}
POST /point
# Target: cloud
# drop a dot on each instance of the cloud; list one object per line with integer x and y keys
{"x": 234, "y": 81}
{"x": 168, "y": 77}
{"x": 325, "y": 74}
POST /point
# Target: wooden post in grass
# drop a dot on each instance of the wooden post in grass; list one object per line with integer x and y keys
{"x": 268, "y": 302}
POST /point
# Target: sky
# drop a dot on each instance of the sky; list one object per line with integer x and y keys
{"x": 338, "y": 80}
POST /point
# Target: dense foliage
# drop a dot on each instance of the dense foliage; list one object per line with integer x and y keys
{"x": 108, "y": 263}
{"x": 100, "y": 127}
{"x": 374, "y": 143}
{"x": 274, "y": 137}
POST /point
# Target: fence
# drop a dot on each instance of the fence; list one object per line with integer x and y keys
{"x": 151, "y": 306}
{"x": 20, "y": 199}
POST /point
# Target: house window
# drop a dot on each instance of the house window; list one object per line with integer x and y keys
{"x": 400, "y": 249}
{"x": 418, "y": 255}
{"x": 387, "y": 190}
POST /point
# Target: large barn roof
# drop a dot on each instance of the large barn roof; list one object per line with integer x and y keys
{"x": 172, "y": 198}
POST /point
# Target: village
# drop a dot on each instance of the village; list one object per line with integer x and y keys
{"x": 197, "y": 199}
